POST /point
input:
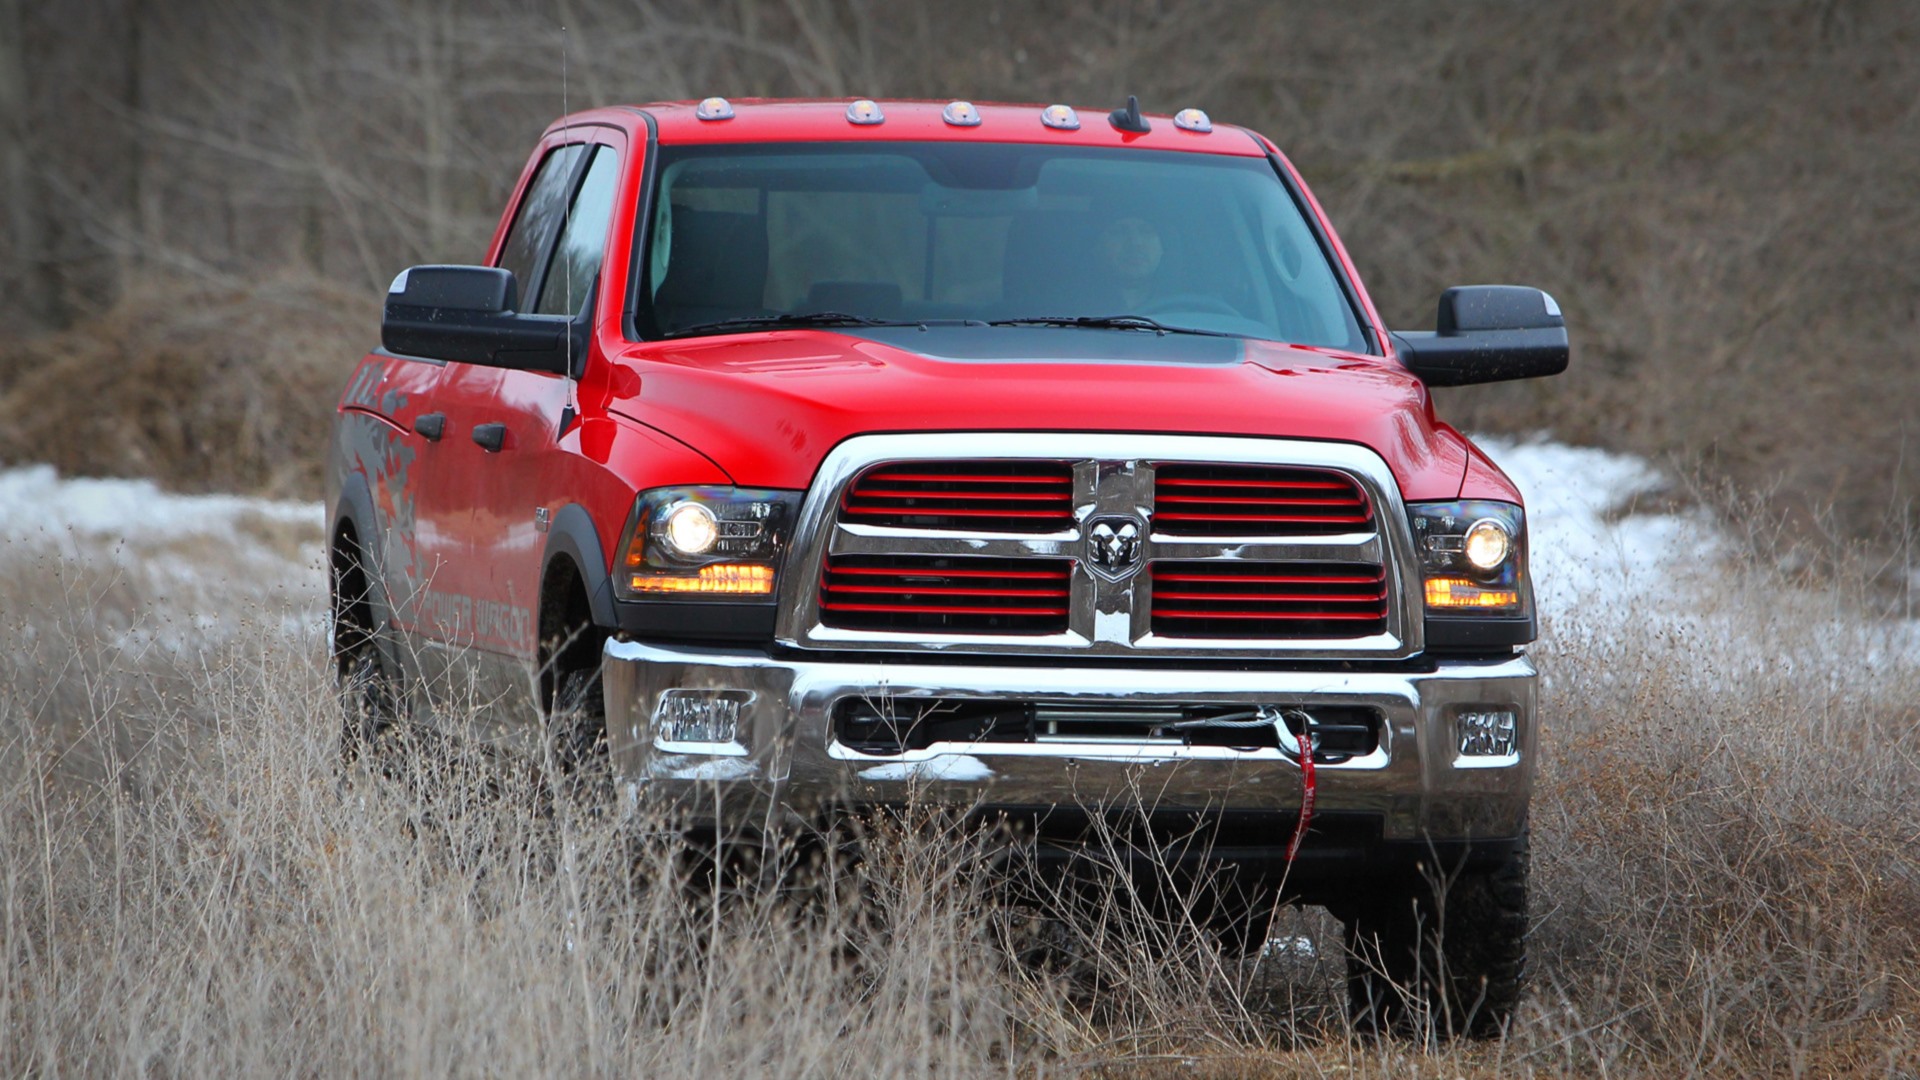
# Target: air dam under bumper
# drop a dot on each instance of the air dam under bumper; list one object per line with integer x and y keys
{"x": 772, "y": 755}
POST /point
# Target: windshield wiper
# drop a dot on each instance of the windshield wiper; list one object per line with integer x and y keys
{"x": 1109, "y": 322}
{"x": 771, "y": 322}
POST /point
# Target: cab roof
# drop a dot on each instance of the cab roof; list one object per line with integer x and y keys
{"x": 825, "y": 120}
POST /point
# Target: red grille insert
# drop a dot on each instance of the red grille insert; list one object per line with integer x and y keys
{"x": 1268, "y": 600}
{"x": 942, "y": 594}
{"x": 1256, "y": 500}
{"x": 977, "y": 496}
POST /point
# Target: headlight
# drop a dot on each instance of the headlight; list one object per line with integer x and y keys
{"x": 690, "y": 530}
{"x": 690, "y": 543}
{"x": 1487, "y": 546}
{"x": 1472, "y": 557}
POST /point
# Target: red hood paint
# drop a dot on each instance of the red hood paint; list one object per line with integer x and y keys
{"x": 767, "y": 407}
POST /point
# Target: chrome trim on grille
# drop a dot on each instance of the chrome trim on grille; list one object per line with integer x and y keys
{"x": 1113, "y": 478}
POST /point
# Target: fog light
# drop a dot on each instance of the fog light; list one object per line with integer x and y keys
{"x": 700, "y": 721}
{"x": 1487, "y": 732}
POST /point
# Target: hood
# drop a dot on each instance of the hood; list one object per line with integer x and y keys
{"x": 767, "y": 407}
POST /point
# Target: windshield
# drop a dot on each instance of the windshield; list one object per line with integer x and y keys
{"x": 986, "y": 233}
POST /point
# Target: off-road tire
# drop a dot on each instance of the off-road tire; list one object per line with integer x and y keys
{"x": 1446, "y": 957}
{"x": 577, "y": 730}
{"x": 369, "y": 703}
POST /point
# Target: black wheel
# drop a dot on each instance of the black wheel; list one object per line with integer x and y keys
{"x": 577, "y": 728}
{"x": 368, "y": 700}
{"x": 1448, "y": 955}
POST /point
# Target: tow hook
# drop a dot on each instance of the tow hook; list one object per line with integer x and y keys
{"x": 1290, "y": 744}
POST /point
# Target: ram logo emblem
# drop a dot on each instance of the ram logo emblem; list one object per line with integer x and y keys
{"x": 1113, "y": 547}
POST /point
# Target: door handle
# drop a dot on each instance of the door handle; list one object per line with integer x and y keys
{"x": 491, "y": 437}
{"x": 430, "y": 426}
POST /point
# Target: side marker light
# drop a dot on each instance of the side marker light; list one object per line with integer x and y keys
{"x": 714, "y": 108}
{"x": 865, "y": 112}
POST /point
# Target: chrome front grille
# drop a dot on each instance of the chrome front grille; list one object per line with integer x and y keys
{"x": 1256, "y": 500}
{"x": 1102, "y": 545}
{"x": 935, "y": 594}
{"x": 1268, "y": 600}
{"x": 981, "y": 496}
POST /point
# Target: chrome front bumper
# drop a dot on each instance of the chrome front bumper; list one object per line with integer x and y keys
{"x": 782, "y": 762}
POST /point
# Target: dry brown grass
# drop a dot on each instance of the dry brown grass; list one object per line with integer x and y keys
{"x": 1724, "y": 879}
{"x": 203, "y": 387}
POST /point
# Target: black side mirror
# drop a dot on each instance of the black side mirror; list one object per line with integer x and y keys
{"x": 465, "y": 314}
{"x": 1487, "y": 333}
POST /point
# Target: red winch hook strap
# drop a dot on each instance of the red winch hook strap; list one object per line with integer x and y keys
{"x": 1305, "y": 742}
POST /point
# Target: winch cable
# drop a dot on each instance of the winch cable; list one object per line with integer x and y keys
{"x": 1300, "y": 748}
{"x": 1253, "y": 718}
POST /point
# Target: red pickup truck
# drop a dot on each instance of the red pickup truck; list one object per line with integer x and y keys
{"x": 793, "y": 456}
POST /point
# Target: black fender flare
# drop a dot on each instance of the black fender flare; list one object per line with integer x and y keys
{"x": 572, "y": 536}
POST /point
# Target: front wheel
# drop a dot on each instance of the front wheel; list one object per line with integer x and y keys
{"x": 1448, "y": 955}
{"x": 577, "y": 733}
{"x": 369, "y": 703}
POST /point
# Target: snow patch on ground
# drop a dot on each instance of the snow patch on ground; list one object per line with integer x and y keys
{"x": 36, "y": 502}
{"x": 1603, "y": 569}
{"x": 1588, "y": 548}
{"x": 202, "y": 565}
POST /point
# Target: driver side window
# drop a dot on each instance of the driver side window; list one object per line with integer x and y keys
{"x": 541, "y": 211}
{"x": 583, "y": 238}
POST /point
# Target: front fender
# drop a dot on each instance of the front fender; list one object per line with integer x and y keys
{"x": 574, "y": 536}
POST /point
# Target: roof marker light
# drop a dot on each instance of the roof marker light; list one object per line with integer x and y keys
{"x": 714, "y": 108}
{"x": 865, "y": 111}
{"x": 961, "y": 114}
{"x": 1192, "y": 120}
{"x": 1060, "y": 118}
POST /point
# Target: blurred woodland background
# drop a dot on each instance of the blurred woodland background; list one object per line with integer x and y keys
{"x": 202, "y": 200}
